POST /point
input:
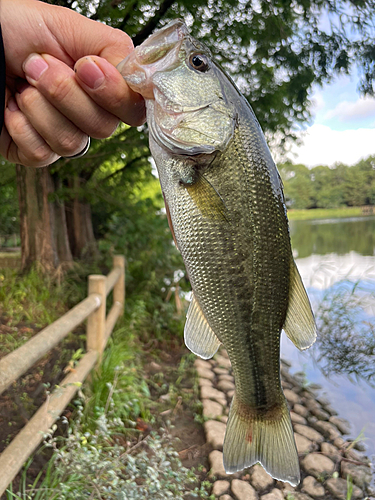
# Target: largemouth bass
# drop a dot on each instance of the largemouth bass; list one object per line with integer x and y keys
{"x": 225, "y": 204}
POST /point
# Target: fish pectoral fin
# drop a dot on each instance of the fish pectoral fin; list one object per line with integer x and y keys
{"x": 207, "y": 199}
{"x": 198, "y": 335}
{"x": 299, "y": 324}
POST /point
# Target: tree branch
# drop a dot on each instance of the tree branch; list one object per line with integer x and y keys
{"x": 153, "y": 22}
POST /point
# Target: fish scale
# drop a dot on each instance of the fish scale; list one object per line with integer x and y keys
{"x": 226, "y": 210}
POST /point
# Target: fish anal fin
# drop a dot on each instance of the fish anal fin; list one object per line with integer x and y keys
{"x": 299, "y": 324}
{"x": 267, "y": 439}
{"x": 199, "y": 336}
{"x": 207, "y": 199}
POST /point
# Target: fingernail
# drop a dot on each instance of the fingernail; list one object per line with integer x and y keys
{"x": 34, "y": 66}
{"x": 90, "y": 73}
{"x": 12, "y": 105}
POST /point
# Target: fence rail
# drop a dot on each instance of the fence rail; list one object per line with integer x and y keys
{"x": 15, "y": 364}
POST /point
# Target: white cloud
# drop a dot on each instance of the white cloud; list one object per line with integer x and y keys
{"x": 324, "y": 146}
{"x": 364, "y": 107}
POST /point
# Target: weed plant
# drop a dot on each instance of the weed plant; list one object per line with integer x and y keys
{"x": 99, "y": 463}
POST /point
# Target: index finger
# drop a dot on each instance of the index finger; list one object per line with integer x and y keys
{"x": 106, "y": 86}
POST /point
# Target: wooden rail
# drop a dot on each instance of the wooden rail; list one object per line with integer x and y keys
{"x": 15, "y": 364}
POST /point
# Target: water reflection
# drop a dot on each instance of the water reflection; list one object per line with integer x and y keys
{"x": 337, "y": 264}
{"x": 334, "y": 235}
{"x": 346, "y": 341}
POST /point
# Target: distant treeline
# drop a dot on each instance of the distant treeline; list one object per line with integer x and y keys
{"x": 329, "y": 187}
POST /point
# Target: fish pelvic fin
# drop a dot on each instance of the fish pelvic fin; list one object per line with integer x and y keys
{"x": 265, "y": 437}
{"x": 299, "y": 324}
{"x": 198, "y": 335}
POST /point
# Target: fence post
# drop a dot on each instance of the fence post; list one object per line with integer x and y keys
{"x": 119, "y": 288}
{"x": 96, "y": 320}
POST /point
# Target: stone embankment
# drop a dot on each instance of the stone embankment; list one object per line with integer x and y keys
{"x": 326, "y": 458}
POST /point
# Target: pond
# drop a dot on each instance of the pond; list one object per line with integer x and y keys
{"x": 336, "y": 259}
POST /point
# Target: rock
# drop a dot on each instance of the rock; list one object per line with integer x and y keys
{"x": 243, "y": 490}
{"x": 260, "y": 479}
{"x": 330, "y": 451}
{"x": 211, "y": 409}
{"x": 286, "y": 385}
{"x": 220, "y": 487}
{"x": 292, "y": 397}
{"x": 205, "y": 373}
{"x": 225, "y": 497}
{"x": 215, "y": 432}
{"x": 317, "y": 465}
{"x": 360, "y": 474}
{"x": 275, "y": 494}
{"x": 303, "y": 444}
{"x": 224, "y": 419}
{"x": 211, "y": 393}
{"x": 220, "y": 371}
{"x": 154, "y": 367}
{"x": 225, "y": 385}
{"x": 201, "y": 363}
{"x": 223, "y": 352}
{"x": 230, "y": 394}
{"x": 216, "y": 462}
{"x": 326, "y": 428}
{"x": 225, "y": 376}
{"x": 300, "y": 496}
{"x": 311, "y": 404}
{"x": 311, "y": 486}
{"x": 309, "y": 433}
{"x": 340, "y": 443}
{"x": 320, "y": 414}
{"x": 204, "y": 381}
{"x": 297, "y": 419}
{"x": 301, "y": 410}
{"x": 330, "y": 410}
{"x": 222, "y": 361}
{"x": 358, "y": 445}
{"x": 338, "y": 487}
{"x": 343, "y": 425}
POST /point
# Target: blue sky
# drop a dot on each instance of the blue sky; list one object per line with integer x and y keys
{"x": 343, "y": 126}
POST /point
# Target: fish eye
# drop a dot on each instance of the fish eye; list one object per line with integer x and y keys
{"x": 199, "y": 62}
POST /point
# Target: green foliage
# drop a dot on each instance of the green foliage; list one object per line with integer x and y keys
{"x": 95, "y": 464}
{"x": 329, "y": 187}
{"x": 274, "y": 50}
{"x": 346, "y": 344}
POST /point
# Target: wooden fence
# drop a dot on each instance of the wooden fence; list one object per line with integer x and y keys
{"x": 15, "y": 364}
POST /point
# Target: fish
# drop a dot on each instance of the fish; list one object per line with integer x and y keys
{"x": 226, "y": 210}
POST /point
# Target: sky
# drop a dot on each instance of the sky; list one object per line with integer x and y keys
{"x": 342, "y": 128}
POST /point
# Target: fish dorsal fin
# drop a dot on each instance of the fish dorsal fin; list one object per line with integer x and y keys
{"x": 299, "y": 323}
{"x": 199, "y": 336}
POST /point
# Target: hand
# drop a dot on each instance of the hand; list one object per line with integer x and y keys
{"x": 62, "y": 84}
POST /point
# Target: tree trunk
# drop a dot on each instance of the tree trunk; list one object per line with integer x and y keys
{"x": 81, "y": 233}
{"x": 42, "y": 222}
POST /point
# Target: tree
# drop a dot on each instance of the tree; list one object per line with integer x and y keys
{"x": 275, "y": 51}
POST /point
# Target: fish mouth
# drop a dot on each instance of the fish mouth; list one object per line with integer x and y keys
{"x": 160, "y": 50}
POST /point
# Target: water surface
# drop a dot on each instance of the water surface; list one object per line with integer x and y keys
{"x": 336, "y": 259}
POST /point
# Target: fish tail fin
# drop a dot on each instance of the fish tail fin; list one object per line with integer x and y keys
{"x": 253, "y": 437}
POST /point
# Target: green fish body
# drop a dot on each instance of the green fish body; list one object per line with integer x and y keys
{"x": 225, "y": 204}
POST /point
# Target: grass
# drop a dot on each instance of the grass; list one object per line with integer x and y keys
{"x": 324, "y": 213}
{"x": 97, "y": 451}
